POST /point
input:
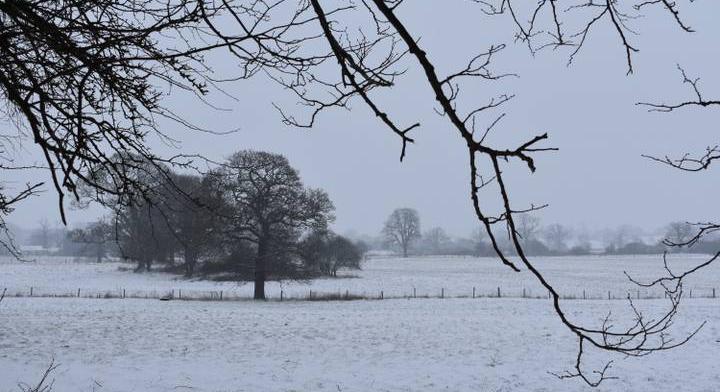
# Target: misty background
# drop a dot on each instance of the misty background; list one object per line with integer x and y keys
{"x": 597, "y": 179}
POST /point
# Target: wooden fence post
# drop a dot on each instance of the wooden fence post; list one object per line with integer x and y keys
{"x": 524, "y": 293}
{"x": 78, "y": 293}
{"x": 608, "y": 294}
{"x": 584, "y": 296}
{"x": 414, "y": 293}
{"x": 473, "y": 291}
{"x": 713, "y": 292}
{"x": 221, "y": 295}
{"x": 499, "y": 292}
{"x": 123, "y": 293}
{"x": 382, "y": 295}
{"x": 281, "y": 295}
{"x": 179, "y": 293}
{"x": 442, "y": 292}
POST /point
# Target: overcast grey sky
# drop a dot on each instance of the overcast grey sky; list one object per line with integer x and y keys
{"x": 598, "y": 178}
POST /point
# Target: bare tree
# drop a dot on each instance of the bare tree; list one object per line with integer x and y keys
{"x": 481, "y": 242}
{"x": 402, "y": 228}
{"x": 328, "y": 252}
{"x": 344, "y": 254}
{"x": 270, "y": 208}
{"x": 528, "y": 227}
{"x": 44, "y": 233}
{"x": 98, "y": 235}
{"x": 140, "y": 220}
{"x": 621, "y": 236}
{"x": 195, "y": 207}
{"x": 435, "y": 240}
{"x": 557, "y": 237}
{"x": 678, "y": 232}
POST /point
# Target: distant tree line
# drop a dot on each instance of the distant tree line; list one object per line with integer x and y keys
{"x": 402, "y": 234}
{"x": 199, "y": 238}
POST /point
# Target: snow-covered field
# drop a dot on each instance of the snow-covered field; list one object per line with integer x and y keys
{"x": 392, "y": 345}
{"x": 596, "y": 275}
{"x": 465, "y": 344}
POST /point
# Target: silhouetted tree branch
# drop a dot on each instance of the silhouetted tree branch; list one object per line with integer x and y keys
{"x": 560, "y": 23}
{"x": 642, "y": 336}
{"x": 672, "y": 281}
{"x": 7, "y": 205}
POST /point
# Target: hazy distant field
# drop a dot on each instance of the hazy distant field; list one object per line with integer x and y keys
{"x": 596, "y": 275}
{"x": 478, "y": 345}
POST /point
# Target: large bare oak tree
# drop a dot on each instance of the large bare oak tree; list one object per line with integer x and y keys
{"x": 270, "y": 208}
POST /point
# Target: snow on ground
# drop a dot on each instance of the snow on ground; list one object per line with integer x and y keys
{"x": 393, "y": 345}
{"x": 461, "y": 344}
{"x": 596, "y": 275}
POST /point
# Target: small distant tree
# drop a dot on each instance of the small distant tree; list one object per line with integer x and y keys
{"x": 528, "y": 231}
{"x": 363, "y": 247}
{"x": 402, "y": 228}
{"x": 97, "y": 235}
{"x": 528, "y": 227}
{"x": 326, "y": 252}
{"x": 343, "y": 254}
{"x": 270, "y": 208}
{"x": 622, "y": 236}
{"x": 435, "y": 240}
{"x": 44, "y": 233}
{"x": 582, "y": 244}
{"x": 481, "y": 243}
{"x": 678, "y": 233}
{"x": 556, "y": 237}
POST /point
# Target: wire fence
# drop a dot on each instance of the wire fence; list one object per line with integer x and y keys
{"x": 340, "y": 295}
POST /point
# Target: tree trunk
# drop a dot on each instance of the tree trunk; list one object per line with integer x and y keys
{"x": 405, "y": 249}
{"x": 190, "y": 262}
{"x": 260, "y": 270}
{"x": 99, "y": 252}
{"x": 189, "y": 268}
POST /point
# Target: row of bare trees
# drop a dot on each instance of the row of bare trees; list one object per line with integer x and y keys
{"x": 252, "y": 218}
{"x": 402, "y": 232}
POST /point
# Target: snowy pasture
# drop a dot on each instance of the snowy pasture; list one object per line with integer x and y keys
{"x": 392, "y": 345}
{"x": 395, "y": 277}
{"x": 451, "y": 344}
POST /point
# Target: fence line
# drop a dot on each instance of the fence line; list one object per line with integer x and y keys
{"x": 315, "y": 295}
